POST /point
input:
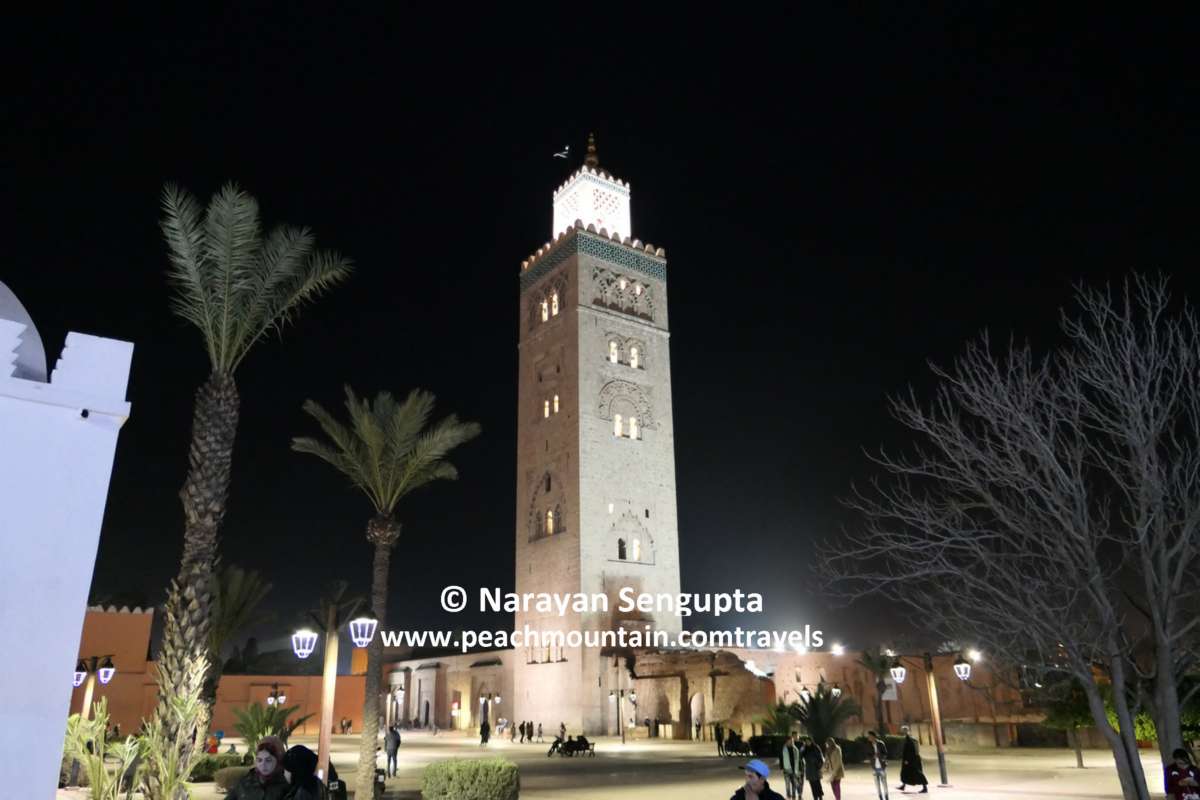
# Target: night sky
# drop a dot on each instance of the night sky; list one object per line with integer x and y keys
{"x": 841, "y": 199}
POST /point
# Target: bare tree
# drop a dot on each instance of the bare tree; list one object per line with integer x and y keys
{"x": 1049, "y": 509}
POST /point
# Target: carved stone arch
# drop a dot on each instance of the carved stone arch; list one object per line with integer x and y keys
{"x": 535, "y": 309}
{"x": 613, "y": 336}
{"x": 628, "y": 530}
{"x": 542, "y": 500}
{"x": 559, "y": 284}
{"x": 621, "y": 393}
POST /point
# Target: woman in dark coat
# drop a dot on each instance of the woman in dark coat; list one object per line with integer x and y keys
{"x": 814, "y": 762}
{"x": 265, "y": 781}
{"x": 300, "y": 767}
{"x": 910, "y": 764}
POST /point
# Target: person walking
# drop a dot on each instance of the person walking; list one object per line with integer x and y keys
{"x": 789, "y": 762}
{"x": 299, "y": 769}
{"x": 392, "y": 744}
{"x": 756, "y": 786}
{"x": 539, "y": 733}
{"x": 910, "y": 764}
{"x": 562, "y": 731}
{"x": 265, "y": 781}
{"x": 814, "y": 762}
{"x": 522, "y": 726}
{"x": 484, "y": 732}
{"x": 719, "y": 732}
{"x": 835, "y": 767}
{"x": 877, "y": 758}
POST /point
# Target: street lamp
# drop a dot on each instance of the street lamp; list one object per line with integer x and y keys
{"x": 617, "y": 696}
{"x": 962, "y": 669}
{"x": 276, "y": 697}
{"x": 304, "y": 641}
{"x": 362, "y": 630}
{"x": 836, "y": 691}
{"x": 90, "y": 669}
{"x": 838, "y": 650}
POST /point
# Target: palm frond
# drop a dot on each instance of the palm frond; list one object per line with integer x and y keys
{"x": 184, "y": 234}
{"x": 229, "y": 282}
{"x": 236, "y": 600}
{"x": 388, "y": 448}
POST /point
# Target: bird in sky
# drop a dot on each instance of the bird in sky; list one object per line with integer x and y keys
{"x": 564, "y": 153}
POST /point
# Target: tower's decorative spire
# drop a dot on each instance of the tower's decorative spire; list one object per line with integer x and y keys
{"x": 591, "y": 159}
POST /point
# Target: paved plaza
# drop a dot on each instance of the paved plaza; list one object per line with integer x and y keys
{"x": 665, "y": 770}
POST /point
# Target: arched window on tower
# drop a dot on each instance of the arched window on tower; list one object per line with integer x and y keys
{"x": 633, "y": 357}
{"x": 555, "y": 404}
{"x": 616, "y": 424}
{"x": 621, "y": 549}
{"x": 546, "y": 408}
{"x": 633, "y": 428}
{"x": 613, "y": 352}
{"x": 637, "y": 549}
{"x": 545, "y": 311}
{"x": 554, "y": 304}
{"x": 623, "y": 283}
{"x": 550, "y": 522}
{"x": 547, "y": 482}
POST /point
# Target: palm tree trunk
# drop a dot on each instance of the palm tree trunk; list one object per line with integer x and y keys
{"x": 204, "y": 493}
{"x": 383, "y": 533}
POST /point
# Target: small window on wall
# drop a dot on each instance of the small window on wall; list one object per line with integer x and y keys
{"x": 633, "y": 428}
{"x": 621, "y": 549}
{"x": 616, "y": 424}
{"x": 613, "y": 352}
{"x": 548, "y": 483}
{"x": 633, "y": 357}
{"x": 623, "y": 284}
{"x": 550, "y": 523}
{"x": 546, "y": 408}
{"x": 555, "y": 404}
{"x": 545, "y": 311}
{"x": 637, "y": 549}
{"x": 554, "y": 304}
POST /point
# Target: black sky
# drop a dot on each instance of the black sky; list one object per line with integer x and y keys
{"x": 841, "y": 197}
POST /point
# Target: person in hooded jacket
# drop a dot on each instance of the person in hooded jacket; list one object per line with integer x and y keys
{"x": 300, "y": 767}
{"x": 265, "y": 781}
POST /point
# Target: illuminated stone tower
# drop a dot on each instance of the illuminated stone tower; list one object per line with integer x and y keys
{"x": 595, "y": 444}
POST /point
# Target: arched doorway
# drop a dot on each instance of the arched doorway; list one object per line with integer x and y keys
{"x": 426, "y": 713}
{"x": 698, "y": 717}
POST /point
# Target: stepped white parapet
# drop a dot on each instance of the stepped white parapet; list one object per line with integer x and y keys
{"x": 57, "y": 441}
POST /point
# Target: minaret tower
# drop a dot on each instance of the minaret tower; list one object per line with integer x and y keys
{"x": 595, "y": 444}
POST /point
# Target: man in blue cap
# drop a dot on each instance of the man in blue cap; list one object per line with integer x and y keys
{"x": 756, "y": 787}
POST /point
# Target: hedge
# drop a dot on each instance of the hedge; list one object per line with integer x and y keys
{"x": 471, "y": 779}
{"x": 208, "y": 766}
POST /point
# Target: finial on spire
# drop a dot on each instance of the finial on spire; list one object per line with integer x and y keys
{"x": 591, "y": 159}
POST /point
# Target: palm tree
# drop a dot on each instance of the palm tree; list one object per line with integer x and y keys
{"x": 334, "y": 610}
{"x": 236, "y": 286}
{"x": 236, "y": 598}
{"x": 823, "y": 712}
{"x": 388, "y": 450}
{"x": 878, "y": 664}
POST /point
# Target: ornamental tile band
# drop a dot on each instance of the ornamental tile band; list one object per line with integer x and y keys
{"x": 650, "y": 262}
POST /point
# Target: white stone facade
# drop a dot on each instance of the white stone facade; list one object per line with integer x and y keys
{"x": 58, "y": 439}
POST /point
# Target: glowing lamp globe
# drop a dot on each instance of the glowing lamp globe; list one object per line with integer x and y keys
{"x": 482, "y": 700}
{"x": 497, "y": 699}
{"x": 899, "y": 673}
{"x": 282, "y": 699}
{"x": 80, "y": 674}
{"x": 962, "y": 668}
{"x": 271, "y": 700}
{"x": 633, "y": 696}
{"x": 304, "y": 642}
{"x": 106, "y": 671}
{"x": 836, "y": 691}
{"x": 611, "y": 695}
{"x": 838, "y": 650}
{"x": 362, "y": 630}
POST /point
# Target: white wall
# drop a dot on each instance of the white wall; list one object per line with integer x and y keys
{"x": 55, "y": 466}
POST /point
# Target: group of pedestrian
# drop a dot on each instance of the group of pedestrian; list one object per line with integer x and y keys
{"x": 280, "y": 775}
{"x": 526, "y": 730}
{"x": 803, "y": 760}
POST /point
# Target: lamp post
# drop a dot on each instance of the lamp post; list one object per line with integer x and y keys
{"x": 276, "y": 697}
{"x": 89, "y": 669}
{"x": 962, "y": 670}
{"x": 362, "y": 631}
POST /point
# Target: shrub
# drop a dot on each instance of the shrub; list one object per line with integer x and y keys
{"x": 208, "y": 766}
{"x": 471, "y": 779}
{"x": 228, "y": 777}
{"x": 895, "y": 746}
{"x": 854, "y": 751}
